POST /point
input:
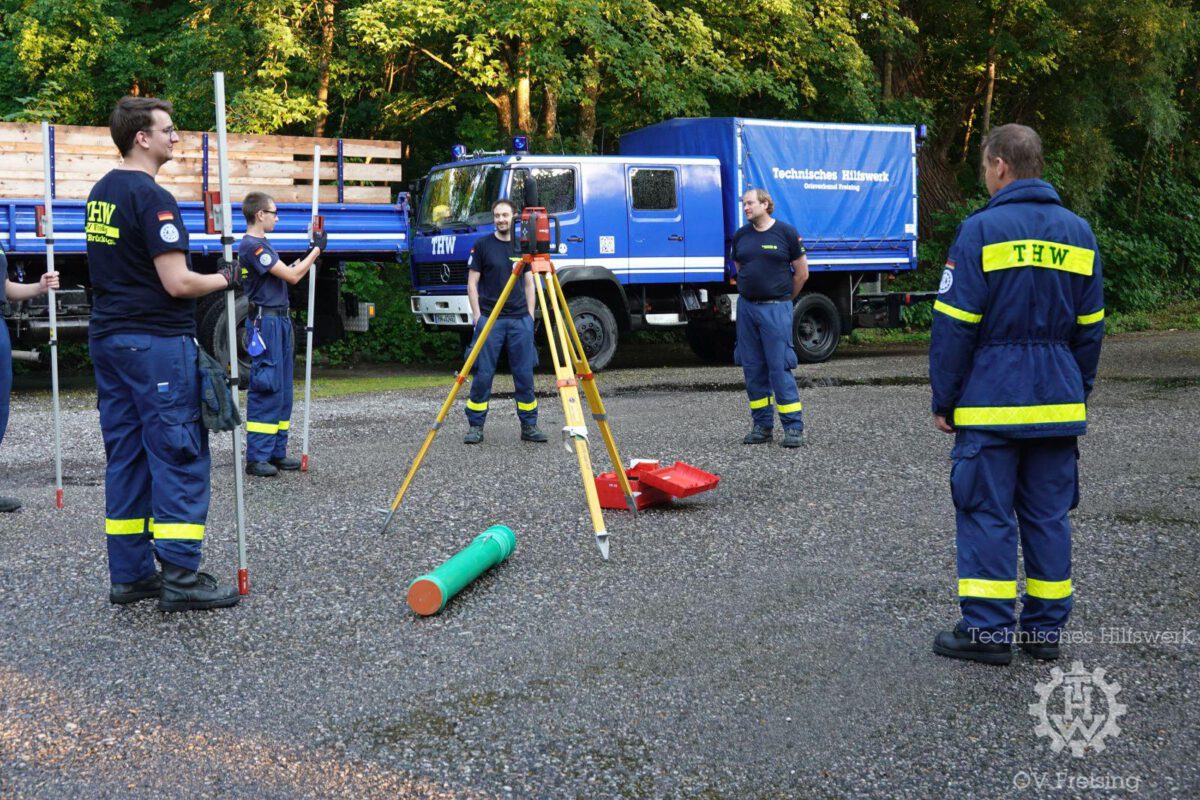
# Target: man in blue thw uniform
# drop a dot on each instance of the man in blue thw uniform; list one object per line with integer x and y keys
{"x": 1017, "y": 329}
{"x": 269, "y": 401}
{"x": 489, "y": 268}
{"x": 142, "y": 342}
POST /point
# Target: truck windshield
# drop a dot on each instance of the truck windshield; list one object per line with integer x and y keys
{"x": 460, "y": 196}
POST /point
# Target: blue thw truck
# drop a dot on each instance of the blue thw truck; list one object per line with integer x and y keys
{"x": 645, "y": 235}
{"x": 363, "y": 222}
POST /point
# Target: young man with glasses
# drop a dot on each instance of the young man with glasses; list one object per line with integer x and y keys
{"x": 269, "y": 401}
{"x": 142, "y": 342}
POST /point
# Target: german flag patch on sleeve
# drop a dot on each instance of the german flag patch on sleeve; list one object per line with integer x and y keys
{"x": 165, "y": 216}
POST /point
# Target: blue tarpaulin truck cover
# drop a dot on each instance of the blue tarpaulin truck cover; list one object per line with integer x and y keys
{"x": 840, "y": 185}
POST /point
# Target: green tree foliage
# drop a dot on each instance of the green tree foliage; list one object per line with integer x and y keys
{"x": 1113, "y": 87}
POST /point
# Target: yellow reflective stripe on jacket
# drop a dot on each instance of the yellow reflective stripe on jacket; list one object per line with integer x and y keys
{"x": 473, "y": 406}
{"x": 994, "y": 590}
{"x": 285, "y": 424}
{"x": 1020, "y": 415}
{"x": 526, "y": 406}
{"x": 124, "y": 527}
{"x": 1088, "y": 319}
{"x": 1048, "y": 590}
{"x": 957, "y": 313}
{"x": 178, "y": 530}
{"x": 262, "y": 427}
{"x": 789, "y": 408}
{"x": 1035, "y": 253}
{"x": 761, "y": 402}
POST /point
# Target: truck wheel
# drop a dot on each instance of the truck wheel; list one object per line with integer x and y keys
{"x": 816, "y": 326}
{"x": 597, "y": 330}
{"x": 214, "y": 336}
{"x": 712, "y": 343}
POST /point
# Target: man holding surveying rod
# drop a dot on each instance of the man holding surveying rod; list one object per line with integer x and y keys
{"x": 142, "y": 343}
{"x": 272, "y": 342}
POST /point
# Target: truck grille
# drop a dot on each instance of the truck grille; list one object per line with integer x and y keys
{"x": 434, "y": 275}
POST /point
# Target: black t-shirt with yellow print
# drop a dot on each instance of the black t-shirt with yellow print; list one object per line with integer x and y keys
{"x": 129, "y": 220}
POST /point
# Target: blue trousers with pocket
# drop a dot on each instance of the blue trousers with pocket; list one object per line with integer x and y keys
{"x": 269, "y": 401}
{"x": 1006, "y": 490}
{"x": 5, "y": 374}
{"x": 516, "y": 335}
{"x": 764, "y": 349}
{"x": 156, "y": 482}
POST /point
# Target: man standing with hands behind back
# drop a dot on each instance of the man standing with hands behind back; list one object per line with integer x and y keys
{"x": 489, "y": 268}
{"x": 1017, "y": 329}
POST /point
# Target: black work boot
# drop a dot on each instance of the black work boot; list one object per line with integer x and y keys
{"x": 757, "y": 435}
{"x": 960, "y": 644}
{"x": 532, "y": 433}
{"x": 144, "y": 589}
{"x": 474, "y": 435}
{"x": 9, "y": 504}
{"x": 188, "y": 590}
{"x": 286, "y": 463}
{"x": 1042, "y": 651}
{"x": 261, "y": 469}
{"x": 792, "y": 438}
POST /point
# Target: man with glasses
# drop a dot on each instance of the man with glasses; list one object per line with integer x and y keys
{"x": 269, "y": 331}
{"x": 143, "y": 347}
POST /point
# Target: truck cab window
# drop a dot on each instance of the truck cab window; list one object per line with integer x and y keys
{"x": 653, "y": 189}
{"x": 556, "y": 188}
{"x": 460, "y": 196}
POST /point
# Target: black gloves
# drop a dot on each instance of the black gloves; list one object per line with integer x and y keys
{"x": 320, "y": 240}
{"x": 229, "y": 271}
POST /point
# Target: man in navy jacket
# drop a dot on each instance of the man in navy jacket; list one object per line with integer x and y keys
{"x": 1017, "y": 330}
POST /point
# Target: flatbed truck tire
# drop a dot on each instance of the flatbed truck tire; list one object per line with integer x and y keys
{"x": 816, "y": 327}
{"x": 213, "y": 335}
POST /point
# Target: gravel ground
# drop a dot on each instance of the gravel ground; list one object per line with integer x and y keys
{"x": 766, "y": 639}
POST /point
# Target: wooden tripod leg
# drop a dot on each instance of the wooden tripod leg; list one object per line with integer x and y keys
{"x": 568, "y": 392}
{"x": 592, "y": 392}
{"x": 459, "y": 379}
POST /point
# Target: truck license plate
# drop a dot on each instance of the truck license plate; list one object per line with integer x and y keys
{"x": 445, "y": 319}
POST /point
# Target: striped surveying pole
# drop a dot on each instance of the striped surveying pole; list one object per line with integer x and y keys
{"x": 313, "y": 227}
{"x": 52, "y": 301}
{"x": 231, "y": 327}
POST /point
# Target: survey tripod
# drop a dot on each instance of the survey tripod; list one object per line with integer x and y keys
{"x": 570, "y": 369}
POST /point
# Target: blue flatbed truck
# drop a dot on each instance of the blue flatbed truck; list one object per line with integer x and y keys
{"x": 645, "y": 235}
{"x": 358, "y": 231}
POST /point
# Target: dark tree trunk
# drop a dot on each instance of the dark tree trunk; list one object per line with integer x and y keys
{"x": 328, "y": 12}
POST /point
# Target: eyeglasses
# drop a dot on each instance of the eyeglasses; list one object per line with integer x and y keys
{"x": 169, "y": 130}
{"x": 270, "y": 211}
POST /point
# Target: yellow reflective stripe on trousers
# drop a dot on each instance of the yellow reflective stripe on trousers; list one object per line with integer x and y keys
{"x": 178, "y": 530}
{"x": 473, "y": 406}
{"x": 124, "y": 527}
{"x": 762, "y": 402}
{"x": 789, "y": 408}
{"x": 1036, "y": 253}
{"x": 526, "y": 406}
{"x": 1048, "y": 590}
{"x": 262, "y": 427}
{"x": 957, "y": 313}
{"x": 285, "y": 424}
{"x": 993, "y": 590}
{"x": 1088, "y": 319}
{"x": 1020, "y": 415}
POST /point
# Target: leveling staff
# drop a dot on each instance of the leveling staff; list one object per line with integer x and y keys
{"x": 143, "y": 347}
{"x": 269, "y": 401}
